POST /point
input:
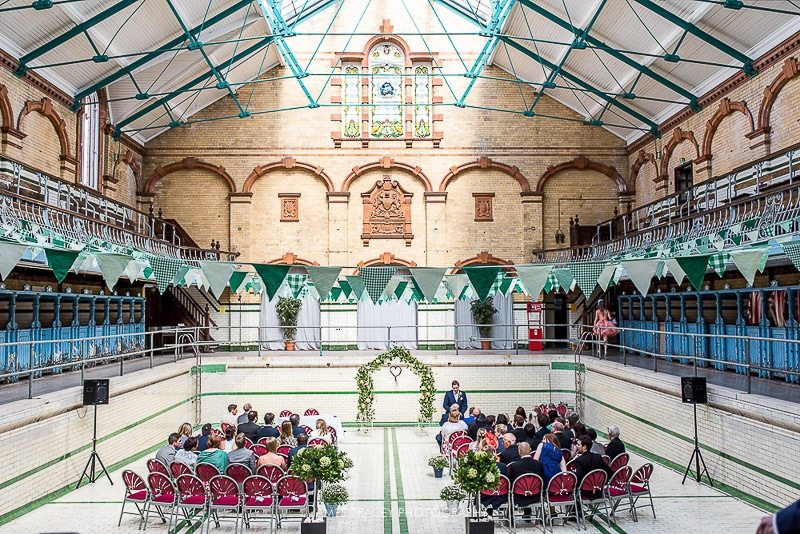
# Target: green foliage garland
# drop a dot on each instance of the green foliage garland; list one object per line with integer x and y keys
{"x": 366, "y": 387}
{"x": 287, "y": 310}
{"x": 477, "y": 471}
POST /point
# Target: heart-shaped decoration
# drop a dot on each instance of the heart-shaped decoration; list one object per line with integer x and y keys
{"x": 396, "y": 371}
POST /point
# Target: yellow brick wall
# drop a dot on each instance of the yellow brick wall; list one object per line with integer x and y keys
{"x": 785, "y": 117}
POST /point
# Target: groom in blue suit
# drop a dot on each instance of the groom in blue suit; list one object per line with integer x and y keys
{"x": 455, "y": 396}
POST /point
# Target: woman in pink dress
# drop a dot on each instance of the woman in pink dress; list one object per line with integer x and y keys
{"x": 604, "y": 326}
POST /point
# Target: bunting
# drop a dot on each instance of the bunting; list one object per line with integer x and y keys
{"x": 695, "y": 269}
{"x": 750, "y": 262}
{"x": 586, "y": 274}
{"x": 217, "y": 274}
{"x": 457, "y": 284}
{"x": 375, "y": 280}
{"x": 236, "y": 280}
{"x": 10, "y": 254}
{"x": 675, "y": 270}
{"x": 533, "y": 278}
{"x": 641, "y": 273}
{"x": 481, "y": 279}
{"x": 112, "y": 266}
{"x": 272, "y": 276}
{"x": 428, "y": 280}
{"x": 323, "y": 278}
{"x": 356, "y": 285}
{"x": 606, "y": 276}
{"x": 61, "y": 261}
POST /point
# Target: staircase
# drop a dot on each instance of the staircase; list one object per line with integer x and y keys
{"x": 181, "y": 305}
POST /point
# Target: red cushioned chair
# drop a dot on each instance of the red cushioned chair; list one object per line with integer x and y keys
{"x": 527, "y": 492}
{"x": 259, "y": 450}
{"x": 334, "y": 437}
{"x": 273, "y": 473}
{"x": 285, "y": 413}
{"x": 562, "y": 410}
{"x": 192, "y": 497}
{"x": 617, "y": 490}
{"x": 606, "y": 459}
{"x": 248, "y": 444}
{"x": 263, "y": 441}
{"x": 640, "y": 487}
{"x": 307, "y": 429}
{"x": 591, "y": 495}
{"x": 293, "y": 501}
{"x": 283, "y": 450}
{"x": 572, "y": 465}
{"x": 317, "y": 442}
{"x": 498, "y": 499}
{"x": 206, "y": 472}
{"x": 566, "y": 454}
{"x": 225, "y": 497}
{"x": 163, "y": 497}
{"x": 560, "y": 493}
{"x": 238, "y": 472}
{"x": 311, "y": 411}
{"x": 621, "y": 460}
{"x": 455, "y": 444}
{"x": 157, "y": 466}
{"x": 177, "y": 469}
{"x": 136, "y": 493}
{"x": 259, "y": 500}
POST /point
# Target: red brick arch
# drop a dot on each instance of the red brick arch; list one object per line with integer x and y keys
{"x": 287, "y": 162}
{"x": 583, "y": 163}
{"x": 6, "y": 113}
{"x": 678, "y": 137}
{"x": 45, "y": 108}
{"x": 187, "y": 164}
{"x": 387, "y": 162}
{"x": 388, "y": 259}
{"x": 789, "y": 71}
{"x": 486, "y": 163}
{"x": 290, "y": 258}
{"x": 726, "y": 107}
{"x": 483, "y": 258}
{"x": 641, "y": 159}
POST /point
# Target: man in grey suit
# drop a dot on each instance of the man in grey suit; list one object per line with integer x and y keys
{"x": 241, "y": 455}
{"x": 166, "y": 454}
{"x": 243, "y": 418}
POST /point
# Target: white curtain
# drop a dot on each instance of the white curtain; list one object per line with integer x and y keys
{"x": 468, "y": 337}
{"x": 373, "y": 320}
{"x": 270, "y": 334}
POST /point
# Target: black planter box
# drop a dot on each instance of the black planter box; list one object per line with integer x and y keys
{"x": 479, "y": 525}
{"x": 313, "y": 527}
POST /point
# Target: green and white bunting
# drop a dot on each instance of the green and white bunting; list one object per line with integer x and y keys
{"x": 375, "y": 280}
{"x": 533, "y": 278}
{"x": 481, "y": 279}
{"x": 296, "y": 283}
{"x": 356, "y": 285}
{"x": 695, "y": 268}
{"x": 10, "y": 254}
{"x": 586, "y": 274}
{"x": 217, "y": 274}
{"x": 272, "y": 276}
{"x": 61, "y": 261}
{"x": 565, "y": 278}
{"x": 164, "y": 270}
{"x": 323, "y": 278}
{"x": 641, "y": 273}
{"x": 675, "y": 270}
{"x": 112, "y": 266}
{"x": 750, "y": 262}
{"x": 607, "y": 276}
{"x": 457, "y": 284}
{"x": 792, "y": 250}
{"x": 428, "y": 280}
{"x": 236, "y": 280}
{"x": 719, "y": 262}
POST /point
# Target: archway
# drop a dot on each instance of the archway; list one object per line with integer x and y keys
{"x": 366, "y": 386}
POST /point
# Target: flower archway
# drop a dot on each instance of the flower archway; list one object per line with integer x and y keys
{"x": 366, "y": 387}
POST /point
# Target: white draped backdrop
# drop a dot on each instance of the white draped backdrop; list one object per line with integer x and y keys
{"x": 373, "y": 320}
{"x": 468, "y": 337}
{"x": 271, "y": 335}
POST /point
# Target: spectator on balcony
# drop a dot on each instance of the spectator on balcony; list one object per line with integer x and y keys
{"x": 241, "y": 454}
{"x": 242, "y": 419}
{"x": 166, "y": 454}
{"x": 188, "y": 454}
{"x": 615, "y": 446}
{"x": 230, "y": 418}
{"x": 213, "y": 454}
{"x": 202, "y": 439}
{"x": 250, "y": 428}
{"x": 268, "y": 430}
{"x": 286, "y": 435}
{"x": 184, "y": 433}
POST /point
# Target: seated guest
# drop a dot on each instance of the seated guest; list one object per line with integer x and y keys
{"x": 525, "y": 464}
{"x": 567, "y": 431}
{"x": 563, "y": 440}
{"x": 250, "y": 428}
{"x": 166, "y": 454}
{"x": 214, "y": 455}
{"x": 286, "y": 435}
{"x": 477, "y": 424}
{"x": 499, "y": 431}
{"x": 230, "y": 433}
{"x": 549, "y": 454}
{"x": 187, "y": 454}
{"x": 230, "y": 418}
{"x": 572, "y": 420}
{"x": 268, "y": 430}
{"x": 296, "y": 428}
{"x": 542, "y": 421}
{"x": 597, "y": 448}
{"x": 242, "y": 419}
{"x": 530, "y": 434}
{"x": 588, "y": 461}
{"x": 502, "y": 419}
{"x": 302, "y": 443}
{"x": 510, "y": 451}
{"x": 184, "y": 433}
{"x": 518, "y": 428}
{"x": 491, "y": 421}
{"x": 580, "y": 430}
{"x": 202, "y": 439}
{"x": 477, "y": 444}
{"x": 454, "y": 424}
{"x": 272, "y": 457}
{"x": 472, "y": 413}
{"x": 552, "y": 415}
{"x": 321, "y": 432}
{"x": 241, "y": 454}
{"x": 615, "y": 446}
{"x": 521, "y": 411}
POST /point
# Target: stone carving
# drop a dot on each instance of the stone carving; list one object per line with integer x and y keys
{"x": 290, "y": 207}
{"x": 483, "y": 206}
{"x": 387, "y": 212}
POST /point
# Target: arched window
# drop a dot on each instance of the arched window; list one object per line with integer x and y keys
{"x": 387, "y": 91}
{"x": 90, "y": 142}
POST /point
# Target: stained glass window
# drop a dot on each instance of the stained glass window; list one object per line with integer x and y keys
{"x": 422, "y": 101}
{"x": 351, "y": 102}
{"x": 387, "y": 88}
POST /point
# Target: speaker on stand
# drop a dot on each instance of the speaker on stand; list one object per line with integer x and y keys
{"x": 95, "y": 391}
{"x": 694, "y": 392}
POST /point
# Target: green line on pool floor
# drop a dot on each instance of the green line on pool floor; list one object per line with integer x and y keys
{"x": 398, "y": 480}
{"x": 387, "y": 487}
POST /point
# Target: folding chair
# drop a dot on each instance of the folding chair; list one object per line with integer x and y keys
{"x": 562, "y": 410}
{"x": 225, "y": 496}
{"x": 606, "y": 459}
{"x": 334, "y": 437}
{"x": 136, "y": 493}
{"x": 307, "y": 429}
{"x": 283, "y": 450}
{"x": 560, "y": 493}
{"x": 497, "y": 499}
{"x": 566, "y": 454}
{"x": 310, "y": 411}
{"x": 454, "y": 446}
{"x": 177, "y": 469}
{"x": 572, "y": 465}
{"x": 317, "y": 442}
{"x": 248, "y": 444}
{"x": 273, "y": 473}
{"x": 259, "y": 500}
{"x": 292, "y": 497}
{"x": 238, "y": 472}
{"x": 526, "y": 492}
{"x": 192, "y": 497}
{"x": 640, "y": 486}
{"x": 259, "y": 450}
{"x": 621, "y": 460}
{"x": 163, "y": 497}
{"x": 617, "y": 490}
{"x": 285, "y": 413}
{"x": 591, "y": 495}
{"x": 157, "y": 466}
{"x": 206, "y": 472}
{"x": 263, "y": 441}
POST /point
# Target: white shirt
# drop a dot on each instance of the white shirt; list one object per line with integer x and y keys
{"x": 448, "y": 428}
{"x": 316, "y": 435}
{"x": 230, "y": 419}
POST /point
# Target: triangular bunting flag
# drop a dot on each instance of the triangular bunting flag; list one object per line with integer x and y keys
{"x": 792, "y": 250}
{"x": 236, "y": 279}
{"x": 675, "y": 270}
{"x": 695, "y": 269}
{"x": 180, "y": 277}
{"x": 10, "y": 254}
{"x": 457, "y": 284}
{"x": 533, "y": 278}
{"x": 481, "y": 279}
{"x": 334, "y": 293}
{"x": 750, "y": 262}
{"x": 606, "y": 276}
{"x": 586, "y": 274}
{"x": 323, "y": 278}
{"x": 641, "y": 273}
{"x": 356, "y": 285}
{"x": 217, "y": 273}
{"x": 61, "y": 261}
{"x": 112, "y": 266}
{"x": 272, "y": 277}
{"x": 375, "y": 280}
{"x": 164, "y": 270}
{"x": 719, "y": 262}
{"x": 400, "y": 289}
{"x": 565, "y": 279}
{"x": 428, "y": 280}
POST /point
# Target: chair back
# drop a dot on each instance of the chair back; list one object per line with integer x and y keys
{"x": 462, "y": 450}
{"x": 459, "y": 441}
{"x": 156, "y": 466}
{"x": 238, "y": 472}
{"x": 132, "y": 481}
{"x": 562, "y": 410}
{"x": 263, "y": 441}
{"x": 332, "y": 431}
{"x": 620, "y": 478}
{"x": 259, "y": 450}
{"x": 606, "y": 459}
{"x": 562, "y": 483}
{"x": 248, "y": 444}
{"x": 273, "y": 473}
{"x": 594, "y": 481}
{"x": 528, "y": 485}
{"x": 160, "y": 484}
{"x": 572, "y": 466}
{"x": 621, "y": 460}
{"x": 257, "y": 486}
{"x": 219, "y": 433}
{"x": 500, "y": 490}
{"x": 307, "y": 429}
{"x": 206, "y": 472}
{"x": 224, "y": 486}
{"x": 642, "y": 475}
{"x": 178, "y": 468}
{"x": 283, "y": 450}
{"x": 291, "y": 486}
{"x": 190, "y": 486}
{"x": 317, "y": 442}
{"x": 223, "y": 427}
{"x": 454, "y": 435}
{"x": 567, "y": 454}
{"x": 285, "y": 413}
{"x": 311, "y": 411}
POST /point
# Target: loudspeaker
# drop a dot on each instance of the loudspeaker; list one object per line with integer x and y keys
{"x": 95, "y": 391}
{"x": 693, "y": 389}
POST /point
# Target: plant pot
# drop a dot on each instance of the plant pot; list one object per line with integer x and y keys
{"x": 331, "y": 509}
{"x": 288, "y": 344}
{"x": 479, "y": 525}
{"x": 437, "y": 472}
{"x": 452, "y": 507}
{"x": 486, "y": 344}
{"x": 309, "y": 526}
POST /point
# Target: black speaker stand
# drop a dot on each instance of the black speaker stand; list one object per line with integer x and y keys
{"x": 697, "y": 457}
{"x": 90, "y": 471}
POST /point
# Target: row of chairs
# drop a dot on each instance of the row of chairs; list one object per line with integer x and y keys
{"x": 308, "y": 413}
{"x": 221, "y": 498}
{"x": 206, "y": 472}
{"x": 528, "y": 494}
{"x": 307, "y": 429}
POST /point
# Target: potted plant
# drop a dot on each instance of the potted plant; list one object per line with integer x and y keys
{"x": 477, "y": 471}
{"x": 438, "y": 463}
{"x": 482, "y": 313}
{"x": 287, "y": 310}
{"x": 333, "y": 495}
{"x": 452, "y": 495}
{"x": 319, "y": 464}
